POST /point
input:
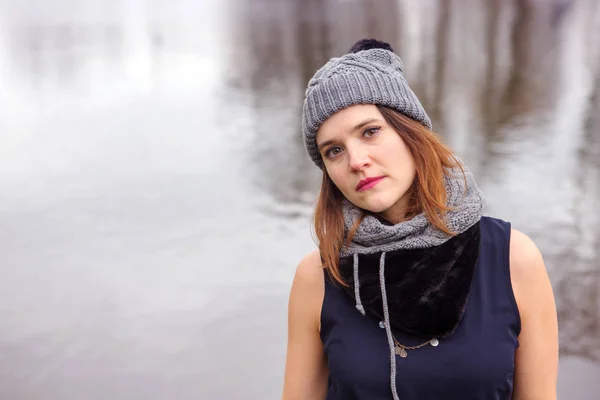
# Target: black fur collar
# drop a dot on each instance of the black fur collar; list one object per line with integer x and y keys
{"x": 427, "y": 289}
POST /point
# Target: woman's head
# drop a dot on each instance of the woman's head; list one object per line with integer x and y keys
{"x": 368, "y": 132}
{"x": 410, "y": 160}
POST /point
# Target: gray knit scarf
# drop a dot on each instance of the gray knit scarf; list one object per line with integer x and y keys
{"x": 374, "y": 238}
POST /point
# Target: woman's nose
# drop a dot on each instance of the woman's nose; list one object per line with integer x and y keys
{"x": 359, "y": 159}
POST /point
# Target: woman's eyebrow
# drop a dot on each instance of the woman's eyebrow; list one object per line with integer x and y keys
{"x": 357, "y": 127}
{"x": 362, "y": 124}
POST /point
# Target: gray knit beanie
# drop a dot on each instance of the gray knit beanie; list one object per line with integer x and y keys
{"x": 370, "y": 74}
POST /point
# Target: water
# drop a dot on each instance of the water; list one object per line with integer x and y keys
{"x": 155, "y": 195}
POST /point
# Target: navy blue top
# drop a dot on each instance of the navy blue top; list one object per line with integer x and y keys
{"x": 475, "y": 363}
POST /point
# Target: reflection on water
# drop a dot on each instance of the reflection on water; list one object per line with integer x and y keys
{"x": 156, "y": 195}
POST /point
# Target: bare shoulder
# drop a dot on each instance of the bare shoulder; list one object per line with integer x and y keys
{"x": 529, "y": 277}
{"x": 526, "y": 261}
{"x": 310, "y": 270}
{"x": 308, "y": 288}
{"x": 536, "y": 359}
{"x": 306, "y": 367}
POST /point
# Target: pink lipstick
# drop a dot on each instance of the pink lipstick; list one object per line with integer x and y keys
{"x": 368, "y": 183}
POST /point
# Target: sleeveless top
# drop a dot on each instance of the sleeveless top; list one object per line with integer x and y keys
{"x": 475, "y": 363}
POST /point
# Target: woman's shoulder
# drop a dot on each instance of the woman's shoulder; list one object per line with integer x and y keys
{"x": 310, "y": 267}
{"x": 536, "y": 360}
{"x": 526, "y": 261}
{"x": 308, "y": 287}
{"x": 529, "y": 277}
{"x": 309, "y": 272}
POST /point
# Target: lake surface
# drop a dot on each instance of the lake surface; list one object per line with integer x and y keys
{"x": 155, "y": 196}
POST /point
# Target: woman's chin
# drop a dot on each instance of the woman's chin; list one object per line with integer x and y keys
{"x": 375, "y": 207}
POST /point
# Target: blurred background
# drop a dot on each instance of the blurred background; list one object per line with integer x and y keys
{"x": 155, "y": 196}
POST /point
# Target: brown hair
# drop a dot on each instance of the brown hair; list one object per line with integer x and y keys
{"x": 427, "y": 193}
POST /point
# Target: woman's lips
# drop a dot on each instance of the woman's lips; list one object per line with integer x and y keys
{"x": 368, "y": 183}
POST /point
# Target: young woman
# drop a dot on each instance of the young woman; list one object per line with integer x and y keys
{"x": 412, "y": 294}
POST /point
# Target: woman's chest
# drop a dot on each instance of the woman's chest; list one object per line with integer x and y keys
{"x": 477, "y": 359}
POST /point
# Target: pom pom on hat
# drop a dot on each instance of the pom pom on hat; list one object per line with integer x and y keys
{"x": 368, "y": 44}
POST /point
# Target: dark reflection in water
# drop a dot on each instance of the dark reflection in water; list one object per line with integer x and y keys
{"x": 156, "y": 194}
{"x": 579, "y": 289}
{"x": 532, "y": 85}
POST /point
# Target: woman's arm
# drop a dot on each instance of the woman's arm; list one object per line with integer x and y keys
{"x": 305, "y": 369}
{"x": 536, "y": 359}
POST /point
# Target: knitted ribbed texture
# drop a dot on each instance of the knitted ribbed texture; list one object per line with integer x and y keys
{"x": 372, "y": 76}
{"x": 373, "y": 236}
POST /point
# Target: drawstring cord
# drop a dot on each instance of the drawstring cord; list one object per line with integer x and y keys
{"x": 386, "y": 316}
{"x": 359, "y": 305}
{"x": 388, "y": 331}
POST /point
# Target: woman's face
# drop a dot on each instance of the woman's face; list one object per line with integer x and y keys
{"x": 367, "y": 160}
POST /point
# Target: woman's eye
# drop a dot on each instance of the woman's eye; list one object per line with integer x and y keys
{"x": 332, "y": 152}
{"x": 371, "y": 132}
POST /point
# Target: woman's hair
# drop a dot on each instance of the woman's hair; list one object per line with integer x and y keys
{"x": 427, "y": 193}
